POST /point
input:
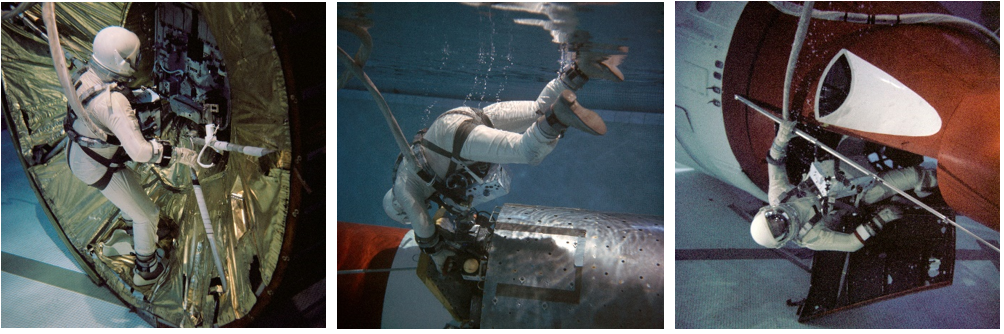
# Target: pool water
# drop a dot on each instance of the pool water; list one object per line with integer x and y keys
{"x": 429, "y": 58}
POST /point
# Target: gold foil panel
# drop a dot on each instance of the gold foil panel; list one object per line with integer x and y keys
{"x": 247, "y": 197}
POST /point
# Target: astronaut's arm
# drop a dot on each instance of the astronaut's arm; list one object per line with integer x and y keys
{"x": 778, "y": 177}
{"x": 122, "y": 122}
{"x": 825, "y": 239}
{"x": 414, "y": 205}
{"x": 776, "y": 172}
{"x": 921, "y": 180}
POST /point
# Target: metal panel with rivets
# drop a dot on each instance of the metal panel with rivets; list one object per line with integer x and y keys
{"x": 572, "y": 268}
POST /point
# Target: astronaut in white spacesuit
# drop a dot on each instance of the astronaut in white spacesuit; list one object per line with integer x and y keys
{"x": 796, "y": 213}
{"x": 504, "y": 132}
{"x": 107, "y": 134}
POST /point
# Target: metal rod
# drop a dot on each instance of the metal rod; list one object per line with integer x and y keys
{"x": 395, "y": 129}
{"x": 878, "y": 179}
{"x": 364, "y": 271}
{"x": 208, "y": 225}
{"x": 843, "y": 275}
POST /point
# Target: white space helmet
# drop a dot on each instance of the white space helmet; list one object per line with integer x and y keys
{"x": 773, "y": 226}
{"x": 116, "y": 50}
{"x": 393, "y": 208}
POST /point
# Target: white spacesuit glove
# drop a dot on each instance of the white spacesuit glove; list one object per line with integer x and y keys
{"x": 185, "y": 156}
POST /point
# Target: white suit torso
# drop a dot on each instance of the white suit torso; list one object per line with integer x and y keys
{"x": 118, "y": 120}
{"x": 817, "y": 236}
{"x": 814, "y": 235}
{"x": 513, "y": 138}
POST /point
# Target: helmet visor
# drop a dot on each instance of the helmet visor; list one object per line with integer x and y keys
{"x": 778, "y": 223}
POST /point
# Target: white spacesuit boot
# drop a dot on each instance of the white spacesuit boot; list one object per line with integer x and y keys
{"x": 437, "y": 249}
{"x": 118, "y": 244}
{"x": 566, "y": 111}
{"x": 590, "y": 65}
{"x": 148, "y": 269}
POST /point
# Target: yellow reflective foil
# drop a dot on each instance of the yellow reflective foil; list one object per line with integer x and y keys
{"x": 247, "y": 197}
{"x": 237, "y": 209}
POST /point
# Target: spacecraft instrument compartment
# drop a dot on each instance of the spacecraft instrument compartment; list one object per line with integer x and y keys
{"x": 186, "y": 79}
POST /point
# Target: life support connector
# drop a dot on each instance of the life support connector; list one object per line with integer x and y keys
{"x": 467, "y": 183}
{"x": 117, "y": 161}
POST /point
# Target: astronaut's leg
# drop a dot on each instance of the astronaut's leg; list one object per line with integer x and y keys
{"x": 410, "y": 194}
{"x": 922, "y": 181}
{"x": 530, "y": 147}
{"x": 513, "y": 116}
{"x": 499, "y": 146}
{"x": 125, "y": 191}
{"x": 517, "y": 116}
{"x": 128, "y": 220}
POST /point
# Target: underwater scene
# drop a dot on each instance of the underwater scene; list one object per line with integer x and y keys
{"x": 430, "y": 58}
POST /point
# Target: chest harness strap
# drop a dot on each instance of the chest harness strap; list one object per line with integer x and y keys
{"x": 425, "y": 172}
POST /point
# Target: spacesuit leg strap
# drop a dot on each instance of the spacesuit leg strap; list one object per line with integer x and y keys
{"x": 112, "y": 165}
{"x": 431, "y": 244}
{"x": 463, "y": 131}
{"x": 103, "y": 181}
{"x": 428, "y": 176}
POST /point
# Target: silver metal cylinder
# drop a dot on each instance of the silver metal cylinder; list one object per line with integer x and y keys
{"x": 571, "y": 268}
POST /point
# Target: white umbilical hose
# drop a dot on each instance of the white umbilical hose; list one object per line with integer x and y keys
{"x": 886, "y": 19}
{"x": 59, "y": 62}
{"x": 796, "y": 48}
